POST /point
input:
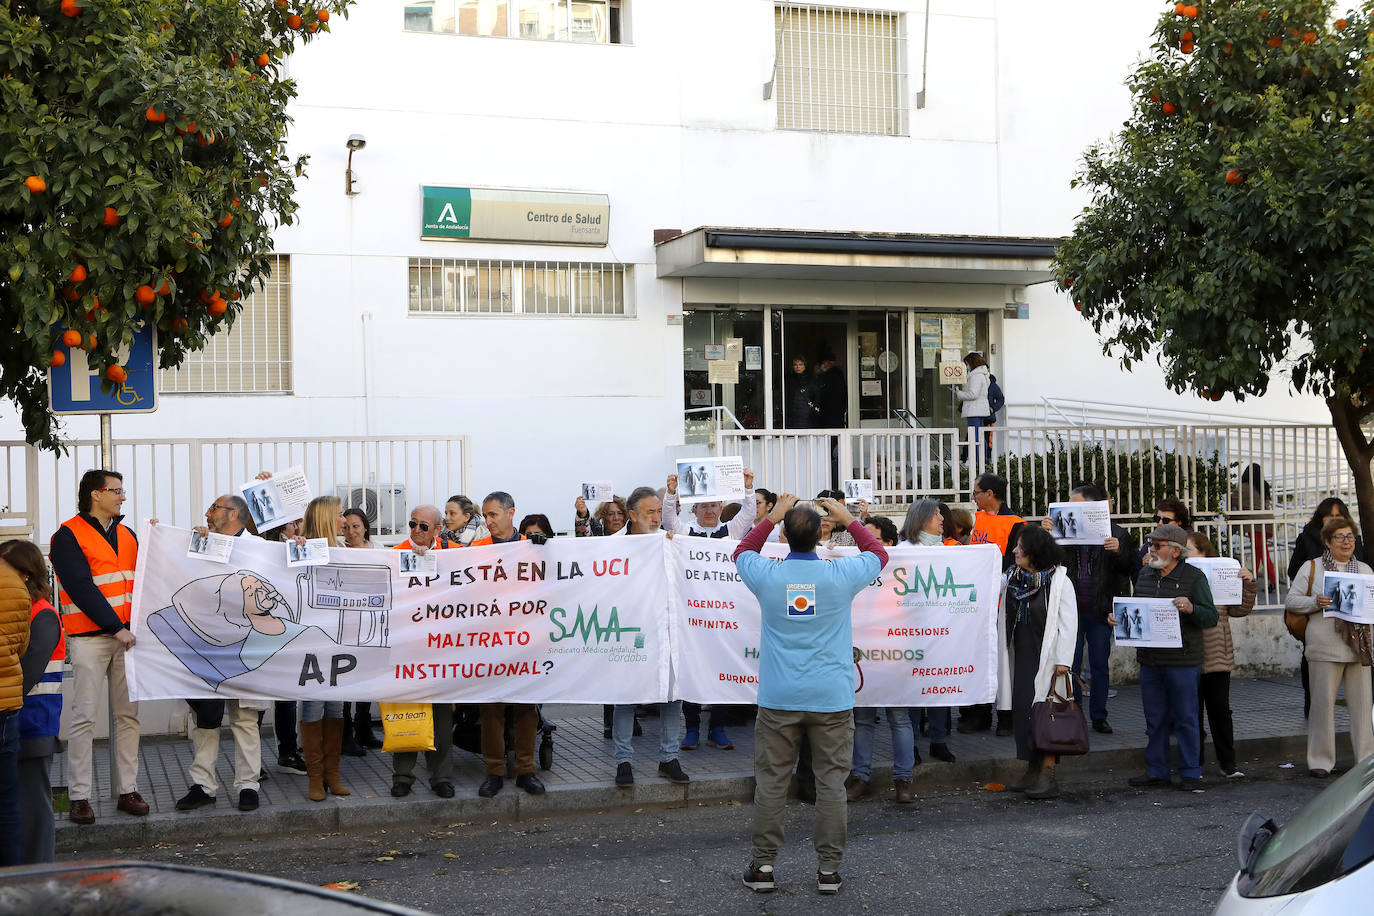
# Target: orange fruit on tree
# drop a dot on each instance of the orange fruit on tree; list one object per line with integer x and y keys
{"x": 71, "y": 294}
{"x": 1341, "y": 25}
{"x": 1229, "y": 49}
{"x": 1190, "y": 12}
{"x": 312, "y": 27}
{"x": 78, "y": 273}
{"x": 116, "y": 374}
{"x": 1179, "y": 8}
{"x": 322, "y": 15}
{"x": 152, "y": 114}
{"x": 234, "y": 202}
{"x": 218, "y": 307}
{"x": 95, "y": 306}
{"x": 71, "y": 338}
{"x": 35, "y": 184}
{"x": 1234, "y": 177}
{"x": 145, "y": 294}
{"x": 90, "y": 341}
{"x": 1275, "y": 42}
{"x": 1309, "y": 38}
{"x": 164, "y": 289}
{"x": 225, "y": 220}
{"x": 70, "y": 9}
{"x": 280, "y": 4}
{"x": 180, "y": 325}
{"x": 111, "y": 217}
{"x": 1186, "y": 47}
{"x": 294, "y": 22}
{"x": 1186, "y": 36}
{"x": 1169, "y": 108}
{"x": 58, "y": 359}
{"x": 264, "y": 60}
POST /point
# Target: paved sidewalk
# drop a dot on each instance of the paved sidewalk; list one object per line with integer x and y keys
{"x": 1267, "y": 713}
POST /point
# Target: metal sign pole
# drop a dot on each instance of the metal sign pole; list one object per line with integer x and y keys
{"x": 107, "y": 464}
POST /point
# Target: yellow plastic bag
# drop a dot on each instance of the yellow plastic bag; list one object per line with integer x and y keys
{"x": 409, "y": 727}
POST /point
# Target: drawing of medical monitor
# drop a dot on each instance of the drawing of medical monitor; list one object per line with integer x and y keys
{"x": 350, "y": 603}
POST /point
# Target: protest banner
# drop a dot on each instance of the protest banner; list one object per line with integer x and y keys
{"x": 575, "y": 621}
{"x": 924, "y": 630}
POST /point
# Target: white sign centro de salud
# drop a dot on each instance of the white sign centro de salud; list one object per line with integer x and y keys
{"x": 507, "y": 215}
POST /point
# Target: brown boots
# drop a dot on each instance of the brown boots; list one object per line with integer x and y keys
{"x": 1045, "y": 785}
{"x": 321, "y": 744}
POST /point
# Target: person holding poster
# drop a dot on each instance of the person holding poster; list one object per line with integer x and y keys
{"x": 1099, "y": 574}
{"x": 644, "y": 509}
{"x": 1337, "y": 651}
{"x": 1037, "y": 633}
{"x": 1218, "y": 661}
{"x": 1169, "y": 677}
{"x": 806, "y": 677}
{"x": 706, "y": 523}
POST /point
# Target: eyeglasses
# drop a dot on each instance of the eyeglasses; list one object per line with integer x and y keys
{"x": 217, "y": 506}
{"x": 1156, "y": 545}
{"x": 1347, "y": 538}
{"x": 1165, "y": 520}
{"x": 423, "y": 526}
{"x": 117, "y": 491}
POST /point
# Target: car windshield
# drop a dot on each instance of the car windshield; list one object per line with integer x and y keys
{"x": 1332, "y": 836}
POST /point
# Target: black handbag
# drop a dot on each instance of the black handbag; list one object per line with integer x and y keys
{"x": 1057, "y": 723}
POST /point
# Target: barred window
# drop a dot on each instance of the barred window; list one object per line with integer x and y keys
{"x": 451, "y": 286}
{"x": 255, "y": 355}
{"x": 586, "y": 21}
{"x": 840, "y": 69}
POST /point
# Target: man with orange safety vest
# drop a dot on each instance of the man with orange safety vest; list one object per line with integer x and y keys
{"x": 993, "y": 523}
{"x": 94, "y": 556}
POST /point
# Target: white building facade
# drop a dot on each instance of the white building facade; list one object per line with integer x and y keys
{"x": 744, "y": 181}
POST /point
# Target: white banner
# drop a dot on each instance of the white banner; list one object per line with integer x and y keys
{"x": 924, "y": 631}
{"x": 572, "y": 621}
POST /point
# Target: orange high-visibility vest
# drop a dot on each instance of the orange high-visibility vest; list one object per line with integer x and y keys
{"x": 439, "y": 544}
{"x": 111, "y": 570}
{"x": 482, "y": 542}
{"x": 993, "y": 529}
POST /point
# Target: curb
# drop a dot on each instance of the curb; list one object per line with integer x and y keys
{"x": 334, "y": 816}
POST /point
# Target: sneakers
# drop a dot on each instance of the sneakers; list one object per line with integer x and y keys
{"x": 759, "y": 878}
{"x": 530, "y": 783}
{"x": 716, "y": 738}
{"x": 1102, "y": 726}
{"x": 81, "y": 812}
{"x": 197, "y": 797}
{"x": 1232, "y": 773}
{"x": 624, "y": 775}
{"x": 248, "y": 800}
{"x": 855, "y": 788}
{"x": 828, "y": 882}
{"x": 691, "y": 739}
{"x": 292, "y": 763}
{"x": 132, "y": 803}
{"x": 673, "y": 770}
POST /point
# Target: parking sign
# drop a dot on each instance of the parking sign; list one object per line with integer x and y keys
{"x": 74, "y": 387}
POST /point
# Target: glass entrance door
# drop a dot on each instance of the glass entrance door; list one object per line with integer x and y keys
{"x": 943, "y": 337}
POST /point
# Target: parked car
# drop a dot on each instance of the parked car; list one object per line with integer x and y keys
{"x": 1318, "y": 862}
{"x": 107, "y": 888}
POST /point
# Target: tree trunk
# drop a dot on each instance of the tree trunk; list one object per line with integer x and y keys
{"x": 1359, "y": 452}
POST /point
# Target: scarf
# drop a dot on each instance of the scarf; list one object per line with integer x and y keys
{"x": 1022, "y": 585}
{"x": 926, "y": 539}
{"x": 1358, "y": 636}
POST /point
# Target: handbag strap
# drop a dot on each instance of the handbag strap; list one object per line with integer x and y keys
{"x": 1067, "y": 696}
{"x": 1311, "y": 575}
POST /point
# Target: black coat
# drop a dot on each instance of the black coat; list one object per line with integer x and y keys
{"x": 801, "y": 401}
{"x": 1309, "y": 546}
{"x": 832, "y": 398}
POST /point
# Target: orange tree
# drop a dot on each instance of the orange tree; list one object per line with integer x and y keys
{"x": 1230, "y": 233}
{"x": 142, "y": 170}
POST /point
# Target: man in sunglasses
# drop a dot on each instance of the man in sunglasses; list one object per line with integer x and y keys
{"x": 425, "y": 525}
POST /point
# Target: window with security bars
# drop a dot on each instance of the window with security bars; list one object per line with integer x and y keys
{"x": 840, "y": 69}
{"x": 253, "y": 356}
{"x": 444, "y": 286}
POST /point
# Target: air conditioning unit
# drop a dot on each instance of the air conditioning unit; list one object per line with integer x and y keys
{"x": 384, "y": 503}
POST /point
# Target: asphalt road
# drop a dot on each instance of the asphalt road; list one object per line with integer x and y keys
{"x": 1102, "y": 848}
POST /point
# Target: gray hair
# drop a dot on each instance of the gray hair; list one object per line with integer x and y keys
{"x": 636, "y": 495}
{"x": 435, "y": 516}
{"x": 501, "y": 498}
{"x": 917, "y": 517}
{"x": 240, "y": 507}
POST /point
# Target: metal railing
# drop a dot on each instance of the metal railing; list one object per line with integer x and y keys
{"x": 1255, "y": 519}
{"x": 175, "y": 479}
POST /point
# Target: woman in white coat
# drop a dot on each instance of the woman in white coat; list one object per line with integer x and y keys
{"x": 973, "y": 396}
{"x": 1037, "y": 630}
{"x": 1336, "y": 650}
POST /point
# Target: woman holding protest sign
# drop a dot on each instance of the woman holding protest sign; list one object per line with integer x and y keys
{"x": 321, "y": 721}
{"x": 1037, "y": 632}
{"x": 1337, "y": 650}
{"x": 1218, "y": 661}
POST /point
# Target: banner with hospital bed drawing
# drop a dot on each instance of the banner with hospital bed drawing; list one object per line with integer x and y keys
{"x": 924, "y": 630}
{"x": 574, "y": 621}
{"x": 585, "y": 620}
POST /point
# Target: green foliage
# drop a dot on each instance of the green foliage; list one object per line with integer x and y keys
{"x": 1231, "y": 282}
{"x": 1136, "y": 478}
{"x": 196, "y": 196}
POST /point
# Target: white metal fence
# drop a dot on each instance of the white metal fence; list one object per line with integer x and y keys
{"x": 174, "y": 480}
{"x": 1288, "y": 470}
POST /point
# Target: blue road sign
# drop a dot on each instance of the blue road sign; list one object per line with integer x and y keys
{"x": 75, "y": 386}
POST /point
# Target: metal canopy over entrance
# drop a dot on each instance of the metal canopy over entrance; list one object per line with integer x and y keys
{"x": 789, "y": 254}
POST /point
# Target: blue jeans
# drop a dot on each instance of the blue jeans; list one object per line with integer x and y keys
{"x": 315, "y": 710}
{"x": 670, "y": 732}
{"x": 937, "y": 722}
{"x": 11, "y": 820}
{"x": 1170, "y": 693}
{"x": 1096, "y": 635}
{"x": 903, "y": 749}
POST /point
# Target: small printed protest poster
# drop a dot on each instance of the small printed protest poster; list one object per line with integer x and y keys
{"x": 1223, "y": 575}
{"x": 704, "y": 480}
{"x": 1150, "y": 623}
{"x": 1082, "y": 522}
{"x": 277, "y": 500}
